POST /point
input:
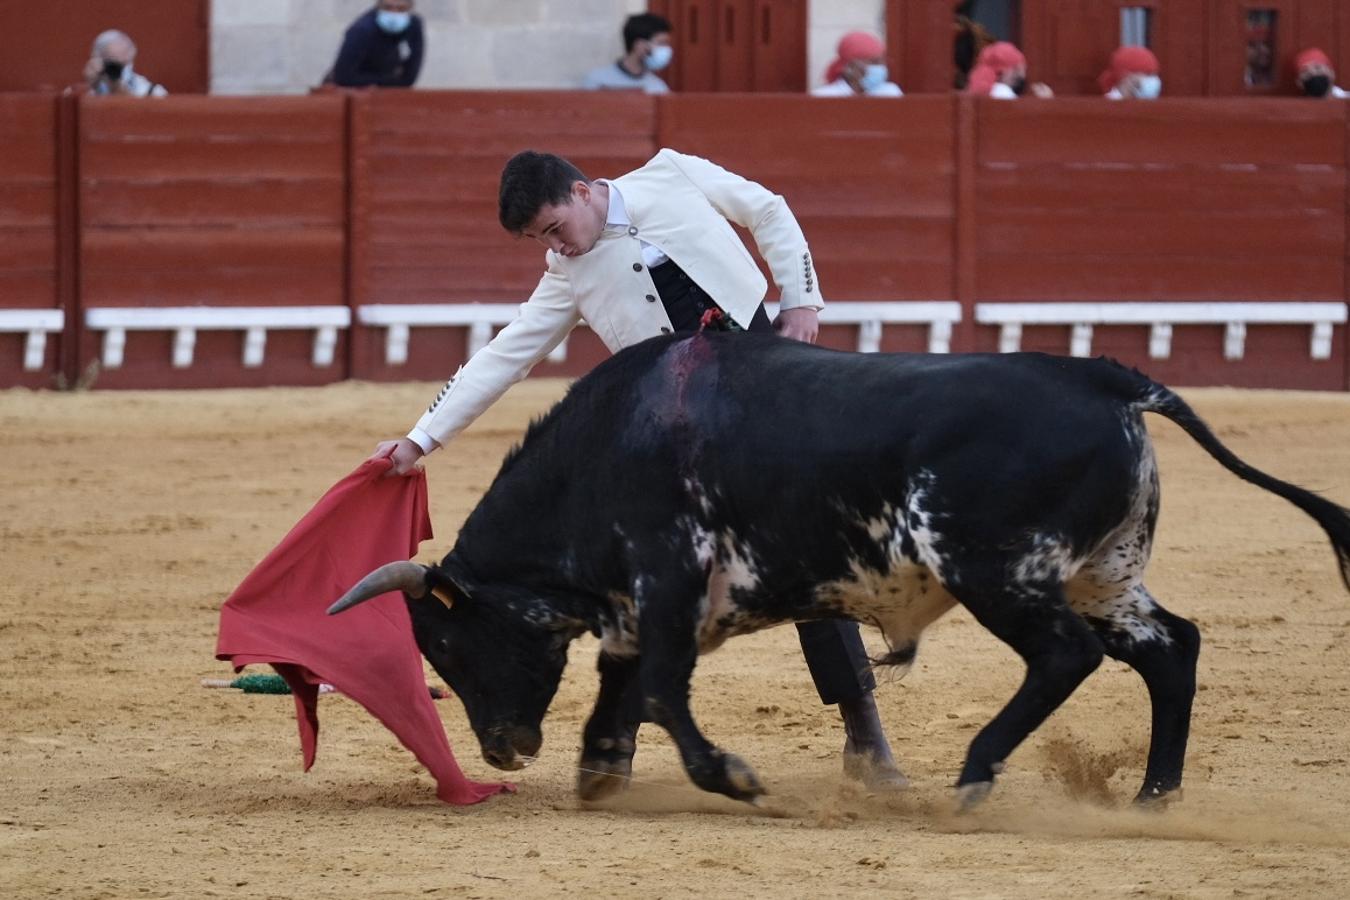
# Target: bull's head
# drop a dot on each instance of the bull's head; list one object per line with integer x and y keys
{"x": 500, "y": 650}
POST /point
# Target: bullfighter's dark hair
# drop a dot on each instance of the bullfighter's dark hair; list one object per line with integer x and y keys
{"x": 643, "y": 27}
{"x": 531, "y": 181}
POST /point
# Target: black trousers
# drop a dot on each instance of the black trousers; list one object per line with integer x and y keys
{"x": 833, "y": 647}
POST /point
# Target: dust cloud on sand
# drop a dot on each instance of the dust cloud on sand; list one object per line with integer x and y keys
{"x": 126, "y": 518}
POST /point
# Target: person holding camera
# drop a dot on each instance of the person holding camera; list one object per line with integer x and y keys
{"x": 110, "y": 71}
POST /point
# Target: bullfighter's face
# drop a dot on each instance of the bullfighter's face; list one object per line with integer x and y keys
{"x": 572, "y": 228}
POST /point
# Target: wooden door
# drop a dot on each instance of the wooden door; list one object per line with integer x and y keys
{"x": 1253, "y": 42}
{"x": 44, "y": 46}
{"x": 736, "y": 45}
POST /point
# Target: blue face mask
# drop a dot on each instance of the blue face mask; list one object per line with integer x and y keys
{"x": 659, "y": 57}
{"x": 874, "y": 76}
{"x": 1150, "y": 86}
{"x": 392, "y": 22}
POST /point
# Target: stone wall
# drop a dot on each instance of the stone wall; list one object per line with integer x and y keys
{"x": 285, "y": 46}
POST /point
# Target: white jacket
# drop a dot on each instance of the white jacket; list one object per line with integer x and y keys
{"x": 680, "y": 204}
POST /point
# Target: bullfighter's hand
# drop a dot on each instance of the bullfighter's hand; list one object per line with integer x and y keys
{"x": 800, "y": 324}
{"x": 403, "y": 453}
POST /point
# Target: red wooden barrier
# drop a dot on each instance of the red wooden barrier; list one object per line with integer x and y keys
{"x": 350, "y": 201}
{"x": 208, "y": 201}
{"x": 425, "y": 204}
{"x": 871, "y": 181}
{"x": 28, "y": 229}
{"x": 1187, "y": 200}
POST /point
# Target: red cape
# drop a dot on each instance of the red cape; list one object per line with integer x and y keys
{"x": 278, "y": 615}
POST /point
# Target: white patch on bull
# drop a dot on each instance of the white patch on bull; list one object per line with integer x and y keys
{"x": 1049, "y": 561}
{"x": 1109, "y": 585}
{"x": 696, "y": 492}
{"x": 732, "y": 569}
{"x": 903, "y": 599}
{"x": 919, "y": 521}
{"x": 621, "y": 637}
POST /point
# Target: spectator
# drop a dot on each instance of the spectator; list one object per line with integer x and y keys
{"x": 858, "y": 70}
{"x": 968, "y": 39}
{"x": 1316, "y": 76}
{"x": 109, "y": 71}
{"x": 1132, "y": 75}
{"x": 1001, "y": 72}
{"x": 647, "y": 50}
{"x": 382, "y": 48}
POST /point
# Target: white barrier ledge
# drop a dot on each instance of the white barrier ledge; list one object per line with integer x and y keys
{"x": 482, "y": 318}
{"x": 36, "y": 322}
{"x": 186, "y": 321}
{"x": 1322, "y": 316}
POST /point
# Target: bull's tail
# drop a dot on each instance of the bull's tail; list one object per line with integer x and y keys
{"x": 1334, "y": 519}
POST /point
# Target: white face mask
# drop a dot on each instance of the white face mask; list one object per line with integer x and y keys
{"x": 658, "y": 57}
{"x": 1149, "y": 87}
{"x": 874, "y": 76}
{"x": 393, "y": 22}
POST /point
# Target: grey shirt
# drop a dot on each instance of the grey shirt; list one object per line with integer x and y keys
{"x": 615, "y": 77}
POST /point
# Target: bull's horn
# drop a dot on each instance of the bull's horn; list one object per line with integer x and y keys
{"x": 408, "y": 577}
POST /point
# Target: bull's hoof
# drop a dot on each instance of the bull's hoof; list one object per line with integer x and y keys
{"x": 881, "y": 775}
{"x": 599, "y": 779}
{"x": 744, "y": 784}
{"x": 969, "y": 796}
{"x": 1157, "y": 799}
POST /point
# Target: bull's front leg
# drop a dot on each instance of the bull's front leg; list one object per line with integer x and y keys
{"x": 607, "y": 745}
{"x": 668, "y": 640}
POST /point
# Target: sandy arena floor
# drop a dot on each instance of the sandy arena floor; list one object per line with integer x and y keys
{"x": 128, "y": 517}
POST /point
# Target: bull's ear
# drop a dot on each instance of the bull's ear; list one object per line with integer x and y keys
{"x": 448, "y": 583}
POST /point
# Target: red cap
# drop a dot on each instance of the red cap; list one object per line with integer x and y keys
{"x": 1311, "y": 57}
{"x": 997, "y": 57}
{"x": 1128, "y": 61}
{"x": 852, "y": 46}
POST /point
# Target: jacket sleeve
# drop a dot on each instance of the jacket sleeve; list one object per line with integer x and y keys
{"x": 347, "y": 70}
{"x": 777, "y": 235}
{"x": 543, "y": 321}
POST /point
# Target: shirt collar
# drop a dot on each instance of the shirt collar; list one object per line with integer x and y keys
{"x": 618, "y": 212}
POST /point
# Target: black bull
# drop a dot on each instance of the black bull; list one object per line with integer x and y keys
{"x": 695, "y": 488}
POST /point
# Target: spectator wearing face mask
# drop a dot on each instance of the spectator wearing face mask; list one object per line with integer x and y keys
{"x": 858, "y": 70}
{"x": 1316, "y": 76}
{"x": 647, "y": 50}
{"x": 1001, "y": 72}
{"x": 110, "y": 71}
{"x": 382, "y": 48}
{"x": 1132, "y": 75}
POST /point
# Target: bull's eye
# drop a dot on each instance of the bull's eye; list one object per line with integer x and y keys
{"x": 443, "y": 646}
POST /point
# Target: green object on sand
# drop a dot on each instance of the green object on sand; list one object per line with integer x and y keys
{"x": 261, "y": 684}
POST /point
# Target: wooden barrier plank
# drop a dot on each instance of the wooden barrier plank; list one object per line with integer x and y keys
{"x": 314, "y": 119}
{"x": 1284, "y": 231}
{"x": 1208, "y": 131}
{"x": 222, "y": 248}
{"x": 1109, "y": 277}
{"x": 871, "y": 182}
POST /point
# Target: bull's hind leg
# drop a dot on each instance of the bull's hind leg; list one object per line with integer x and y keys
{"x": 607, "y": 744}
{"x": 1059, "y": 650}
{"x": 1163, "y": 649}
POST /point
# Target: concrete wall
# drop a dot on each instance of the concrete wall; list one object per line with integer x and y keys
{"x": 285, "y": 46}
